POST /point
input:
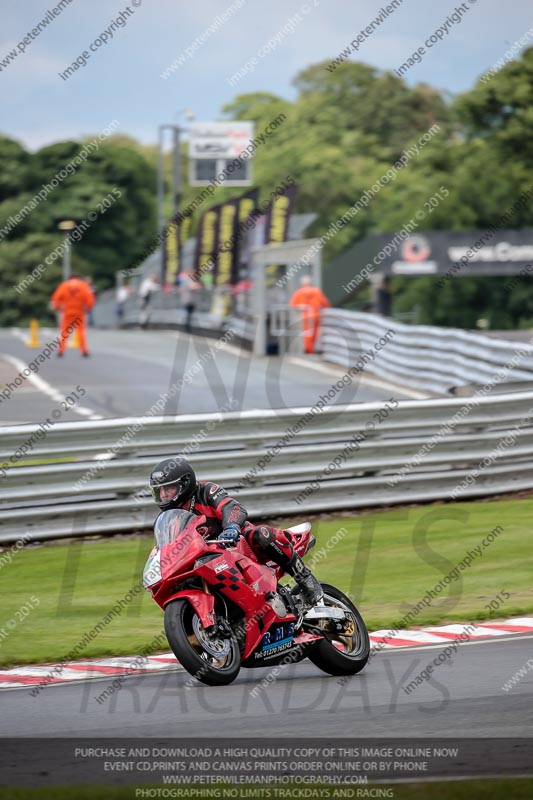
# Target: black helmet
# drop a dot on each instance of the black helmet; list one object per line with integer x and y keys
{"x": 177, "y": 473}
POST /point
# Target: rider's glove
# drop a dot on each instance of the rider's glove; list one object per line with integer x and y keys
{"x": 230, "y": 534}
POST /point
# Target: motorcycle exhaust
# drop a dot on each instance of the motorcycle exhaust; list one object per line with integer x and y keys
{"x": 324, "y": 612}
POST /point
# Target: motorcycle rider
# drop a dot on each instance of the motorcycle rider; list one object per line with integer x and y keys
{"x": 173, "y": 484}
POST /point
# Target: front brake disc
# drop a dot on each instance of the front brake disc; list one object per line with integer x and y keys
{"x": 216, "y": 646}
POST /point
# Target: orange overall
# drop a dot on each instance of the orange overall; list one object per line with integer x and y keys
{"x": 73, "y": 298}
{"x": 314, "y": 299}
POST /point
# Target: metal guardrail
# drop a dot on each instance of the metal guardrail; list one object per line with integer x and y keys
{"x": 96, "y": 493}
{"x": 421, "y": 356}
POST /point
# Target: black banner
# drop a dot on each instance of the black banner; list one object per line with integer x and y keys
{"x": 277, "y": 225}
{"x": 247, "y": 204}
{"x": 227, "y": 256}
{"x": 219, "y": 239}
{"x": 206, "y": 256}
{"x": 231, "y": 239}
{"x": 279, "y": 762}
{"x": 177, "y": 232}
{"x": 247, "y": 213}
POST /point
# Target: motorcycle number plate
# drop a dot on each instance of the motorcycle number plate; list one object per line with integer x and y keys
{"x": 275, "y": 641}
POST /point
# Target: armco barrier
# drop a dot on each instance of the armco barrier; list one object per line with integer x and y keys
{"x": 95, "y": 494}
{"x": 422, "y": 356}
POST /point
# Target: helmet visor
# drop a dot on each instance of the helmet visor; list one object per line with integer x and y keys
{"x": 166, "y": 492}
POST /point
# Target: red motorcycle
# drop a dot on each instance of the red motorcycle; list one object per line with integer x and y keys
{"x": 224, "y": 610}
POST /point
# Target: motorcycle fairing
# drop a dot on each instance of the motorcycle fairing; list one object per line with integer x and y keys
{"x": 203, "y": 604}
{"x": 246, "y": 583}
{"x": 234, "y": 573}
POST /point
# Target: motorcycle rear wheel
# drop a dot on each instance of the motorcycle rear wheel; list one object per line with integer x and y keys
{"x": 195, "y": 648}
{"x": 342, "y": 653}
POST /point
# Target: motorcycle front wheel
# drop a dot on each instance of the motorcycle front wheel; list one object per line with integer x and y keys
{"x": 211, "y": 658}
{"x": 346, "y": 651}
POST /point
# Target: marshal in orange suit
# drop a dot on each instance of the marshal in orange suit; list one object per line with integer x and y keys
{"x": 73, "y": 298}
{"x": 312, "y": 297}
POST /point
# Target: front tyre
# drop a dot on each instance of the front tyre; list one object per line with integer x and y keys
{"x": 341, "y": 652}
{"x": 209, "y": 657}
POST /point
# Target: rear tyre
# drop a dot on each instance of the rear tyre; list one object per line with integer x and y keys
{"x": 211, "y": 658}
{"x": 341, "y": 652}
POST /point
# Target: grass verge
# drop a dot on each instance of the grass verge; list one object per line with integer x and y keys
{"x": 387, "y": 561}
{"x": 495, "y": 789}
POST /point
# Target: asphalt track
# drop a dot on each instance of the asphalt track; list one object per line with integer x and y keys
{"x": 464, "y": 698}
{"x": 128, "y": 371}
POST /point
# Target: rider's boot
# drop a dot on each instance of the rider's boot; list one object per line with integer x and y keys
{"x": 275, "y": 545}
{"x": 310, "y": 587}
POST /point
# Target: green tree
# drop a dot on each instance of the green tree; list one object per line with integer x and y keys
{"x": 14, "y": 168}
{"x": 487, "y": 166}
{"x": 20, "y": 258}
{"x": 107, "y": 240}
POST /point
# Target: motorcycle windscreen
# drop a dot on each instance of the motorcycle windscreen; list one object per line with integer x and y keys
{"x": 170, "y": 524}
{"x": 177, "y": 536}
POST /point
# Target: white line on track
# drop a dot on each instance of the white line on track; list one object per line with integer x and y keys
{"x": 378, "y": 383}
{"x": 513, "y": 637}
{"x": 47, "y": 389}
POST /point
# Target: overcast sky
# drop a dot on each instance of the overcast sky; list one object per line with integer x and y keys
{"x": 122, "y": 79}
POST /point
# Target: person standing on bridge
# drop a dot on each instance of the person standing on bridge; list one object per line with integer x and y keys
{"x": 311, "y": 299}
{"x": 73, "y": 299}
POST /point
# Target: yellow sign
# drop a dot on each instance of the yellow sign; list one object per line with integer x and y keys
{"x": 225, "y": 260}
